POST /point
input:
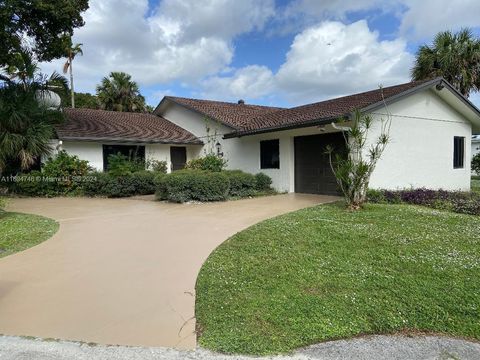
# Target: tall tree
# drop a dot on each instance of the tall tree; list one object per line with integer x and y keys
{"x": 72, "y": 51}
{"x": 118, "y": 92}
{"x": 48, "y": 23}
{"x": 454, "y": 56}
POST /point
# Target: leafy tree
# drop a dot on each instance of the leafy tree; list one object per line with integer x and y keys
{"x": 72, "y": 51}
{"x": 354, "y": 170}
{"x": 456, "y": 57}
{"x": 44, "y": 22}
{"x": 118, "y": 92}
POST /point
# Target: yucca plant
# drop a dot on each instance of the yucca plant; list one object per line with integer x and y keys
{"x": 353, "y": 169}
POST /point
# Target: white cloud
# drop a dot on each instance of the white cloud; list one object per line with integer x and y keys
{"x": 334, "y": 59}
{"x": 250, "y": 82}
{"x": 324, "y": 61}
{"x": 425, "y": 18}
{"x": 180, "y": 40}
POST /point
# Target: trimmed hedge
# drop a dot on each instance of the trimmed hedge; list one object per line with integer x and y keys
{"x": 242, "y": 184}
{"x": 138, "y": 183}
{"x": 193, "y": 185}
{"x": 263, "y": 182}
{"x": 200, "y": 185}
{"x": 457, "y": 201}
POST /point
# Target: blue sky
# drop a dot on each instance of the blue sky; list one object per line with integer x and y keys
{"x": 264, "y": 51}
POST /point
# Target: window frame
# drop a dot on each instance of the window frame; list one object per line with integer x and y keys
{"x": 459, "y": 152}
{"x": 268, "y": 162}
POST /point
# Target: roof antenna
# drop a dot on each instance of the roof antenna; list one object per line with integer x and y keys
{"x": 241, "y": 102}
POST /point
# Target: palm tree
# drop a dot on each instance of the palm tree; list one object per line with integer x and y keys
{"x": 26, "y": 126}
{"x": 118, "y": 92}
{"x": 23, "y": 68}
{"x": 27, "y": 117}
{"x": 72, "y": 51}
{"x": 455, "y": 57}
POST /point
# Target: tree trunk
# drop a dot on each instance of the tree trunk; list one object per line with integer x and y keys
{"x": 72, "y": 93}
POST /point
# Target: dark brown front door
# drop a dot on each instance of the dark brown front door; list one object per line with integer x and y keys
{"x": 178, "y": 157}
{"x": 313, "y": 174}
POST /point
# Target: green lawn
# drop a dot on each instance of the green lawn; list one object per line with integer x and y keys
{"x": 324, "y": 273}
{"x": 476, "y": 185}
{"x": 21, "y": 231}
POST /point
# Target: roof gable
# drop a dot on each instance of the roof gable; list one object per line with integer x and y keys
{"x": 233, "y": 115}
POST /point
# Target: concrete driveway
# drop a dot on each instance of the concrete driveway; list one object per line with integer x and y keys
{"x": 121, "y": 271}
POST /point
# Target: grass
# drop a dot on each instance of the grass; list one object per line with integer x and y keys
{"x": 22, "y": 231}
{"x": 324, "y": 273}
{"x": 476, "y": 183}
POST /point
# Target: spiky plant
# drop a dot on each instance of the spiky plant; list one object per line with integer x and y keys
{"x": 353, "y": 169}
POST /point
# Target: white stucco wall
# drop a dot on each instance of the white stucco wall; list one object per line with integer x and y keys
{"x": 85, "y": 150}
{"x": 161, "y": 152}
{"x": 420, "y": 152}
{"x": 93, "y": 152}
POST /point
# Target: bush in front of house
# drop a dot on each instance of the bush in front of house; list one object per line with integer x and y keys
{"x": 242, "y": 184}
{"x": 193, "y": 185}
{"x": 457, "y": 201}
{"x": 121, "y": 165}
{"x": 105, "y": 184}
{"x": 207, "y": 163}
{"x": 159, "y": 166}
{"x": 62, "y": 174}
{"x": 263, "y": 182}
{"x": 199, "y": 185}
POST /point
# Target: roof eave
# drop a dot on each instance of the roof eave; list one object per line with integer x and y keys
{"x": 316, "y": 122}
{"x": 127, "y": 140}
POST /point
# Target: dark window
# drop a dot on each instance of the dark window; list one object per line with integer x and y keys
{"x": 458, "y": 152}
{"x": 270, "y": 154}
{"x": 132, "y": 152}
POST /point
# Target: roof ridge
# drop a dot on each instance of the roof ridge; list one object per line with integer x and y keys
{"x": 223, "y": 102}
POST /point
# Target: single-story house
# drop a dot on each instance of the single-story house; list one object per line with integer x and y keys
{"x": 431, "y": 134}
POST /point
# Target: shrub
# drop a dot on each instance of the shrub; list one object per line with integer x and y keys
{"x": 32, "y": 184}
{"x": 159, "y": 166}
{"x": 460, "y": 202}
{"x": 208, "y": 163}
{"x": 121, "y": 165}
{"x": 62, "y": 174}
{"x": 263, "y": 182}
{"x": 476, "y": 164}
{"x": 143, "y": 182}
{"x": 139, "y": 183}
{"x": 376, "y": 196}
{"x": 242, "y": 184}
{"x": 187, "y": 185}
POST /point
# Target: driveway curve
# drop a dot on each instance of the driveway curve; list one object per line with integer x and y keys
{"x": 121, "y": 271}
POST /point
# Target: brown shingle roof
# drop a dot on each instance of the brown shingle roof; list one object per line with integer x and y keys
{"x": 89, "y": 124}
{"x": 324, "y": 110}
{"x": 231, "y": 114}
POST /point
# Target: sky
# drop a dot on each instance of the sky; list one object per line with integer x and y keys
{"x": 281, "y": 53}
